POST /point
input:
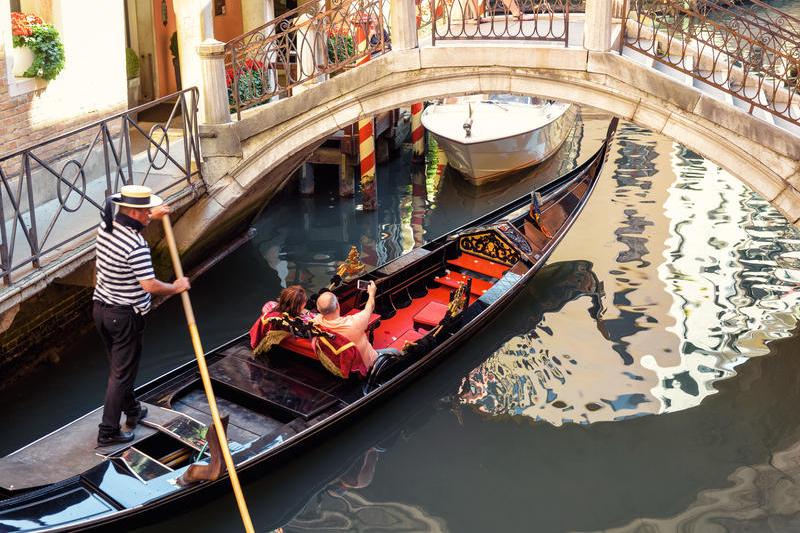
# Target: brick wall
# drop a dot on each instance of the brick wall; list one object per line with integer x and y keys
{"x": 91, "y": 86}
{"x": 42, "y": 328}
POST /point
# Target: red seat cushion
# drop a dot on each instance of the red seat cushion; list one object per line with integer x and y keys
{"x": 431, "y": 314}
{"x": 454, "y": 279}
{"x": 410, "y": 335}
{"x": 480, "y": 265}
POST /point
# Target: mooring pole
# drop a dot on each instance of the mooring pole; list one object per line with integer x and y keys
{"x": 366, "y": 134}
{"x": 417, "y": 134}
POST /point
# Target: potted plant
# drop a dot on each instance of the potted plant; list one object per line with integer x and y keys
{"x": 340, "y": 46}
{"x": 42, "y": 41}
{"x": 134, "y": 82}
{"x": 251, "y": 84}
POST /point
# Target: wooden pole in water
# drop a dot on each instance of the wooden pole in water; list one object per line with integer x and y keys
{"x": 201, "y": 363}
{"x": 366, "y": 130}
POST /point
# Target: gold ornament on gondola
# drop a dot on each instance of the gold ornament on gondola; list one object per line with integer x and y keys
{"x": 458, "y": 301}
{"x": 352, "y": 266}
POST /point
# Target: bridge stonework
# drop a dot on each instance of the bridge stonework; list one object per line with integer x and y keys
{"x": 242, "y": 158}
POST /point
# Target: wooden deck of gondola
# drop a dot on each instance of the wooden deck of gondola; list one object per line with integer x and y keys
{"x": 67, "y": 452}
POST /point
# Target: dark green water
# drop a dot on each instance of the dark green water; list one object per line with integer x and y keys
{"x": 630, "y": 385}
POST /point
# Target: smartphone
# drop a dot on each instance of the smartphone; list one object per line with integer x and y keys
{"x": 362, "y": 285}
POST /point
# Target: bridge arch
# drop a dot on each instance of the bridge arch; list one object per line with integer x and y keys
{"x": 761, "y": 155}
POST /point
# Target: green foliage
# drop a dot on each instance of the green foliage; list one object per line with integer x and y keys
{"x": 48, "y": 52}
{"x": 340, "y": 47}
{"x": 131, "y": 63}
{"x": 251, "y": 86}
{"x": 173, "y": 45}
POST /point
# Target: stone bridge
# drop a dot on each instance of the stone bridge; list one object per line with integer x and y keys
{"x": 246, "y": 159}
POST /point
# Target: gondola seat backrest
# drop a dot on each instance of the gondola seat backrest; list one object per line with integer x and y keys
{"x": 338, "y": 354}
{"x": 271, "y": 328}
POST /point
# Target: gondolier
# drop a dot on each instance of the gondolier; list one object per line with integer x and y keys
{"x": 122, "y": 294}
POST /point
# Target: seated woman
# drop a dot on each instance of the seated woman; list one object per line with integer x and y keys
{"x": 292, "y": 304}
{"x": 278, "y": 320}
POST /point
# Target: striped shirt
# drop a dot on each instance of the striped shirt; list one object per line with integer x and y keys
{"x": 123, "y": 259}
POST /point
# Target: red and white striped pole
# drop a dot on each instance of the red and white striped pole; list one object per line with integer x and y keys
{"x": 366, "y": 133}
{"x": 417, "y": 134}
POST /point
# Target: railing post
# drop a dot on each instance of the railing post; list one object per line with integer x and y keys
{"x": 618, "y": 9}
{"x": 214, "y": 107}
{"x": 597, "y": 26}
{"x": 404, "y": 25}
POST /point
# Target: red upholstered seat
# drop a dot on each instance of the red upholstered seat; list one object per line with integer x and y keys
{"x": 407, "y": 336}
{"x": 454, "y": 279}
{"x": 479, "y": 265}
{"x": 430, "y": 315}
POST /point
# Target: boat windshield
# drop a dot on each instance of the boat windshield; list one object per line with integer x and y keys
{"x": 512, "y": 99}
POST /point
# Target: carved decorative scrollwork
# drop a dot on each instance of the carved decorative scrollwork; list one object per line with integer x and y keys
{"x": 489, "y": 245}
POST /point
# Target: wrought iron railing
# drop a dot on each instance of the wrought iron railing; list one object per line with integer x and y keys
{"x": 52, "y": 192}
{"x": 537, "y": 20}
{"x": 301, "y": 46}
{"x": 751, "y": 51}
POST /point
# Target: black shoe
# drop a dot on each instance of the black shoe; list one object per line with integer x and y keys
{"x": 121, "y": 437}
{"x": 132, "y": 420}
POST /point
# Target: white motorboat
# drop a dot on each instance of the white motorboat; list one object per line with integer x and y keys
{"x": 485, "y": 137}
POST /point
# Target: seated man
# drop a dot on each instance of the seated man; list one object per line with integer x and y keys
{"x": 353, "y": 327}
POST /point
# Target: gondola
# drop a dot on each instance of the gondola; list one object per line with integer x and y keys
{"x": 429, "y": 301}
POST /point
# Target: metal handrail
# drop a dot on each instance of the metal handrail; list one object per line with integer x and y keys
{"x": 726, "y": 45}
{"x": 300, "y": 46}
{"x": 536, "y": 20}
{"x": 29, "y": 176}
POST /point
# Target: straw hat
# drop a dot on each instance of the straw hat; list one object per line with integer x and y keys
{"x": 137, "y": 196}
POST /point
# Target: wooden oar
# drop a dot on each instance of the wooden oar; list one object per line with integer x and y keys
{"x": 201, "y": 363}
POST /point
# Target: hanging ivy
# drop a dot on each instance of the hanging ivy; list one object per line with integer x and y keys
{"x": 45, "y": 43}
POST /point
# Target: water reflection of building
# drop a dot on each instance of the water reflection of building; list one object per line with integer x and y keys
{"x": 341, "y": 507}
{"x": 763, "y": 497}
{"x": 726, "y": 261}
{"x": 700, "y": 274}
{"x": 601, "y": 376}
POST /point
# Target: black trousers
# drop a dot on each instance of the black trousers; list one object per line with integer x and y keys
{"x": 121, "y": 329}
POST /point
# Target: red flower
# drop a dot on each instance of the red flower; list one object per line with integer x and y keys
{"x": 249, "y": 65}
{"x": 21, "y": 24}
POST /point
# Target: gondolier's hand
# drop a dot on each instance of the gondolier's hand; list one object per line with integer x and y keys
{"x": 157, "y": 213}
{"x": 372, "y": 289}
{"x": 181, "y": 284}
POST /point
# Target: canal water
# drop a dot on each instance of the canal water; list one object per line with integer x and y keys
{"x": 647, "y": 377}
